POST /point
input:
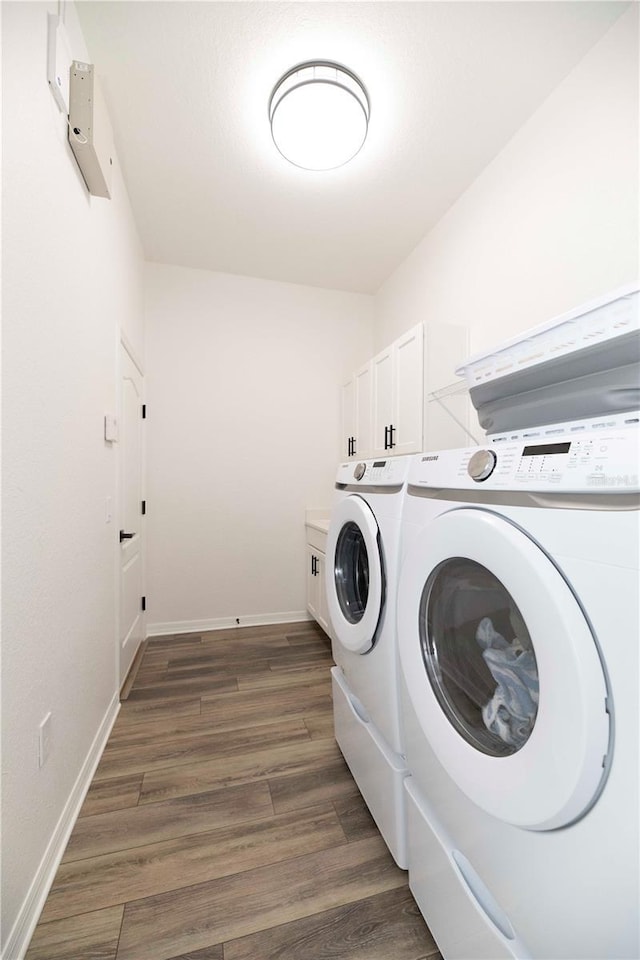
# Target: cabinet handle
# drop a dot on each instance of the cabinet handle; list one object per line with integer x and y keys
{"x": 391, "y": 440}
{"x": 314, "y": 566}
{"x": 386, "y": 436}
{"x": 353, "y": 446}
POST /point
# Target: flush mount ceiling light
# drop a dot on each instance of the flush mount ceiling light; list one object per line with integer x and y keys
{"x": 319, "y": 114}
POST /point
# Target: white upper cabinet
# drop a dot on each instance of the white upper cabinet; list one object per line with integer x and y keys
{"x": 391, "y": 405}
{"x": 348, "y": 431}
{"x": 408, "y": 392}
{"x": 355, "y": 440}
{"x": 363, "y": 443}
{"x": 449, "y": 418}
{"x": 398, "y": 396}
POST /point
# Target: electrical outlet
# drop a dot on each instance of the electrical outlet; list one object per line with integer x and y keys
{"x": 44, "y": 740}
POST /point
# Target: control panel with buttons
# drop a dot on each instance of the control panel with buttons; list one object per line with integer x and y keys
{"x": 606, "y": 462}
{"x": 391, "y": 472}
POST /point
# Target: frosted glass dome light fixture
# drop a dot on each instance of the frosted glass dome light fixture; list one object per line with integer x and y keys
{"x": 319, "y": 115}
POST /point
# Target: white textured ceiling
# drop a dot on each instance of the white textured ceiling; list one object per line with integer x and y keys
{"x": 187, "y": 84}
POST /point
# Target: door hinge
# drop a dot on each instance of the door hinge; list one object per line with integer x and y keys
{"x": 144, "y": 507}
{"x": 144, "y": 411}
{"x": 144, "y": 603}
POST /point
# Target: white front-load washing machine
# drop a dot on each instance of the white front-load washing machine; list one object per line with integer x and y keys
{"x": 518, "y": 642}
{"x": 363, "y": 547}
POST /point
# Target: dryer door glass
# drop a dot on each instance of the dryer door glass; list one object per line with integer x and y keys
{"x": 479, "y": 656}
{"x": 352, "y": 572}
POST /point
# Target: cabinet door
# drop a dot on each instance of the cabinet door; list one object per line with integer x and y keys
{"x": 363, "y": 412}
{"x": 316, "y": 593}
{"x": 349, "y": 426}
{"x": 382, "y": 388}
{"x": 408, "y": 392}
{"x": 313, "y": 590}
{"x": 323, "y": 608}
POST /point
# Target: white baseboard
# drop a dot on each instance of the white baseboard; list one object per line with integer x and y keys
{"x": 22, "y": 931}
{"x": 224, "y": 623}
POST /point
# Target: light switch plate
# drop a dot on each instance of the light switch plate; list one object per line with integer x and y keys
{"x": 110, "y": 428}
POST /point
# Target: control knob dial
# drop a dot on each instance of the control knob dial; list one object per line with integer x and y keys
{"x": 481, "y": 465}
{"x": 359, "y": 470}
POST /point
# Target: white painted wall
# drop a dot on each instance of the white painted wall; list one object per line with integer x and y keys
{"x": 72, "y": 273}
{"x": 243, "y": 429}
{"x": 551, "y": 223}
{"x": 242, "y": 389}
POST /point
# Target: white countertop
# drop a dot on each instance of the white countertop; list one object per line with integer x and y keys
{"x": 318, "y": 519}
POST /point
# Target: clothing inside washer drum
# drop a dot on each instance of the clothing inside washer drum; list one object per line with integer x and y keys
{"x": 473, "y": 639}
{"x": 512, "y": 710}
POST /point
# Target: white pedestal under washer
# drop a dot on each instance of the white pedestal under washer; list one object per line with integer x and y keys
{"x": 363, "y": 550}
{"x": 518, "y": 642}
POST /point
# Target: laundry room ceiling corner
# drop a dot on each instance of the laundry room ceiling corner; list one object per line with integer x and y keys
{"x": 188, "y": 83}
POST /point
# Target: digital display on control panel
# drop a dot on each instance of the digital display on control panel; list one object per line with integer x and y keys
{"x": 544, "y": 449}
{"x": 379, "y": 463}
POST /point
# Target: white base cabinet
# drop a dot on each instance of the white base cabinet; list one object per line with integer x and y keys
{"x": 316, "y": 566}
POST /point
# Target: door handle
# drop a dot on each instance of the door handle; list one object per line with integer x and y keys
{"x": 126, "y": 536}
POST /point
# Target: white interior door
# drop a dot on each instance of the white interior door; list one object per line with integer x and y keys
{"x": 131, "y": 615}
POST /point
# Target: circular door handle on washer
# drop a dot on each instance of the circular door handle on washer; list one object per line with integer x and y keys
{"x": 481, "y": 465}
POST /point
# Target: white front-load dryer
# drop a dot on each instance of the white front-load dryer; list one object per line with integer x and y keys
{"x": 518, "y": 643}
{"x": 363, "y": 550}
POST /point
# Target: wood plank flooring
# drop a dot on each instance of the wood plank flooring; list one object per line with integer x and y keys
{"x": 222, "y": 822}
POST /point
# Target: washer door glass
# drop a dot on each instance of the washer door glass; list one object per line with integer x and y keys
{"x": 351, "y": 572}
{"x": 355, "y": 580}
{"x": 479, "y": 656}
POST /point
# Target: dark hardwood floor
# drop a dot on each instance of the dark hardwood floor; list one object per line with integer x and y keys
{"x": 222, "y": 822}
